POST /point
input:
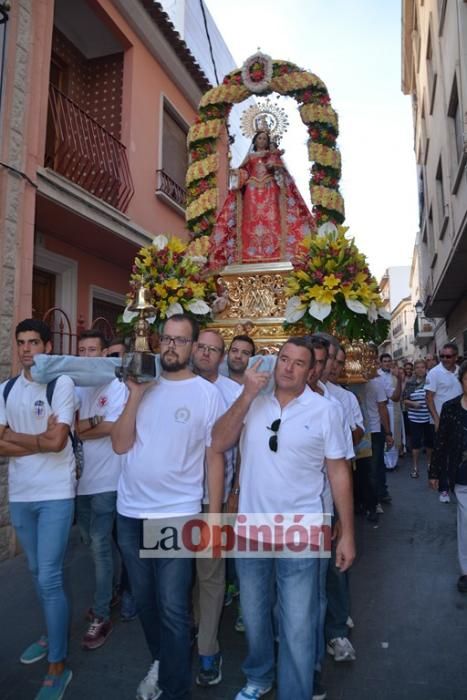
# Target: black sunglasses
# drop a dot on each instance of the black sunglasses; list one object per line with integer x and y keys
{"x": 273, "y": 439}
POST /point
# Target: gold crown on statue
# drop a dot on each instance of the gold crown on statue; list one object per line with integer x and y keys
{"x": 264, "y": 116}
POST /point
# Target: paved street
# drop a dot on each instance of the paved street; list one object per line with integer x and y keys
{"x": 410, "y": 621}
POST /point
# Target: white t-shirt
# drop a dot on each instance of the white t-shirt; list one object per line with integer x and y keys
{"x": 374, "y": 392}
{"x": 163, "y": 472}
{"x": 292, "y": 479}
{"x": 102, "y": 466}
{"x": 230, "y": 391}
{"x": 444, "y": 384}
{"x": 349, "y": 404}
{"x": 388, "y": 382}
{"x": 45, "y": 476}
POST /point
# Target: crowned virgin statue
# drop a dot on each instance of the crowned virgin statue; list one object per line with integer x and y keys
{"x": 264, "y": 217}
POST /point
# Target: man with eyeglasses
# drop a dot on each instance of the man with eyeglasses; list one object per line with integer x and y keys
{"x": 242, "y": 348}
{"x": 165, "y": 432}
{"x": 442, "y": 385}
{"x": 285, "y": 437}
{"x": 207, "y": 356}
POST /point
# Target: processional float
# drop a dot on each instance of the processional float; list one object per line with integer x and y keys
{"x": 264, "y": 265}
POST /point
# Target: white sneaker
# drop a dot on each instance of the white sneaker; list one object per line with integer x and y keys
{"x": 341, "y": 649}
{"x": 149, "y": 689}
{"x": 350, "y": 623}
{"x": 379, "y": 508}
{"x": 252, "y": 692}
{"x": 444, "y": 497}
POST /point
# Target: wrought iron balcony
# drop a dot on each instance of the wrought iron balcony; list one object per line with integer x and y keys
{"x": 81, "y": 150}
{"x": 171, "y": 189}
{"x": 424, "y": 331}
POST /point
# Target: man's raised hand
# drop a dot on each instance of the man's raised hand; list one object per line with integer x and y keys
{"x": 255, "y": 380}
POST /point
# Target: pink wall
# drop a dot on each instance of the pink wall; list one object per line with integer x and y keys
{"x": 144, "y": 84}
{"x": 91, "y": 271}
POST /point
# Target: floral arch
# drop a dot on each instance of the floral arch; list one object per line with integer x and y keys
{"x": 260, "y": 76}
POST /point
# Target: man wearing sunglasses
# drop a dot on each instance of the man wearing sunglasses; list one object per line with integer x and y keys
{"x": 442, "y": 385}
{"x": 165, "y": 432}
{"x": 285, "y": 438}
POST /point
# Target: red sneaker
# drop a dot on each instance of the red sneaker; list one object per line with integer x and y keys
{"x": 98, "y": 631}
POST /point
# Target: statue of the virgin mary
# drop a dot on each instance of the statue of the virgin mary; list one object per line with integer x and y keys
{"x": 264, "y": 217}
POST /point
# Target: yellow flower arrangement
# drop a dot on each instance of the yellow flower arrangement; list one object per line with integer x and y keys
{"x": 175, "y": 275}
{"x": 331, "y": 288}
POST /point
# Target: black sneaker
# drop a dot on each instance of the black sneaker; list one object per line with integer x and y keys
{"x": 318, "y": 690}
{"x": 462, "y": 584}
{"x": 209, "y": 670}
{"x": 386, "y": 498}
{"x": 372, "y": 516}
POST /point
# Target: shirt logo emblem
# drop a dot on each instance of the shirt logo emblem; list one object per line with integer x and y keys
{"x": 39, "y": 409}
{"x": 103, "y": 401}
{"x": 182, "y": 415}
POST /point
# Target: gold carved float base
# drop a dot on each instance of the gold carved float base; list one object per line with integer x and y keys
{"x": 256, "y": 301}
{"x": 255, "y": 306}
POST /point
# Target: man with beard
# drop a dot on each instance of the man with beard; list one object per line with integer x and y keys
{"x": 241, "y": 349}
{"x": 165, "y": 431}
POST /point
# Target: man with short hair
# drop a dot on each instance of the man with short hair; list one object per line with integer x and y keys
{"x": 242, "y": 348}
{"x": 117, "y": 347}
{"x": 99, "y": 408}
{"x": 206, "y": 357}
{"x": 35, "y": 421}
{"x": 165, "y": 432}
{"x": 285, "y": 438}
{"x": 442, "y": 385}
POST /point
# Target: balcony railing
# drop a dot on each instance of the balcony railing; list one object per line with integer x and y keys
{"x": 83, "y": 151}
{"x": 398, "y": 353}
{"x": 170, "y": 188}
{"x": 424, "y": 331}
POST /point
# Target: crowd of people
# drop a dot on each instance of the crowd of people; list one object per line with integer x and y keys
{"x": 212, "y": 436}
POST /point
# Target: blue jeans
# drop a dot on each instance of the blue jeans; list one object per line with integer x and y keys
{"x": 162, "y": 592}
{"x": 338, "y": 600}
{"x": 323, "y": 603}
{"x": 296, "y": 584}
{"x": 95, "y": 515}
{"x": 43, "y": 528}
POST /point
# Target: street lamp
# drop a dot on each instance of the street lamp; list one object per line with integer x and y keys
{"x": 419, "y": 308}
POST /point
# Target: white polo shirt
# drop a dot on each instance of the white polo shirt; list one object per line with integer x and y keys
{"x": 374, "y": 392}
{"x": 444, "y": 384}
{"x": 102, "y": 466}
{"x": 163, "y": 472}
{"x": 45, "y": 476}
{"x": 292, "y": 479}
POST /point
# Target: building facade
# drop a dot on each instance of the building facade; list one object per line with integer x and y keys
{"x": 394, "y": 286}
{"x": 402, "y": 331}
{"x": 97, "y": 98}
{"x": 434, "y": 74}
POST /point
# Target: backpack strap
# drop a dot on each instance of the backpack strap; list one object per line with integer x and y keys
{"x": 8, "y": 387}
{"x": 49, "y": 392}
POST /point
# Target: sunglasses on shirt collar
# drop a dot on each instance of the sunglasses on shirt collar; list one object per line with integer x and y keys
{"x": 273, "y": 439}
